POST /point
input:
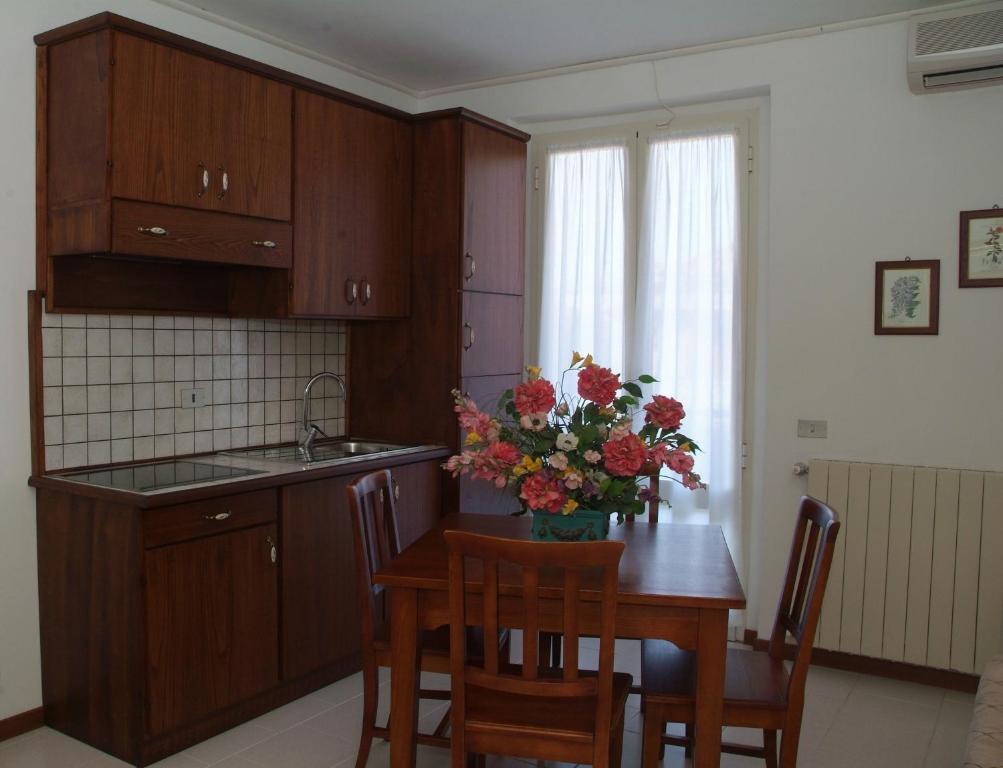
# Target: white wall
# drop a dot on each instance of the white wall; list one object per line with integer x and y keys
{"x": 860, "y": 170}
{"x": 20, "y": 687}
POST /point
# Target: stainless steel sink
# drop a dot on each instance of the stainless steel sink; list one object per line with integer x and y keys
{"x": 336, "y": 450}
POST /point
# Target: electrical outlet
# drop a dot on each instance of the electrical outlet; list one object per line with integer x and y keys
{"x": 193, "y": 398}
{"x": 810, "y": 428}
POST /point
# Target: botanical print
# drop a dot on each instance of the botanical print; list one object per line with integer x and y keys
{"x": 985, "y": 248}
{"x": 906, "y": 298}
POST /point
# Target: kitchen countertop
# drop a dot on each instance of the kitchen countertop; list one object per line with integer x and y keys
{"x": 269, "y": 473}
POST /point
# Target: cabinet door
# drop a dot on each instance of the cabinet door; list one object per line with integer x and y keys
{"x": 320, "y": 619}
{"x": 491, "y": 334}
{"x": 211, "y": 624}
{"x": 252, "y": 144}
{"x": 480, "y": 496}
{"x": 418, "y": 491}
{"x": 494, "y": 210}
{"x": 162, "y": 148}
{"x": 352, "y": 217}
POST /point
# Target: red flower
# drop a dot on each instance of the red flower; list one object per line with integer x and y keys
{"x": 680, "y": 461}
{"x": 598, "y": 384}
{"x": 666, "y": 412}
{"x": 504, "y": 453}
{"x": 543, "y": 491}
{"x": 626, "y": 456}
{"x": 534, "y": 397}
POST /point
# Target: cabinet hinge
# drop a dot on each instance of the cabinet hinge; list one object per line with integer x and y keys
{"x": 750, "y": 159}
{"x": 536, "y": 177}
{"x": 745, "y": 454}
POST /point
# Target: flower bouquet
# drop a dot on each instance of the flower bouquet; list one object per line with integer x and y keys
{"x": 574, "y": 461}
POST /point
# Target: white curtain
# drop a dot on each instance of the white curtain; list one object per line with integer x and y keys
{"x": 584, "y": 247}
{"x": 688, "y": 316}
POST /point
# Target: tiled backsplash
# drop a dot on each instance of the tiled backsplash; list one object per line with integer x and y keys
{"x": 113, "y": 384}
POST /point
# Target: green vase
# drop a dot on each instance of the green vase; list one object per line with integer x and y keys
{"x": 582, "y": 525}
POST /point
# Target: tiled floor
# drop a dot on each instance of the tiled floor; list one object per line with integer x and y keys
{"x": 850, "y": 721}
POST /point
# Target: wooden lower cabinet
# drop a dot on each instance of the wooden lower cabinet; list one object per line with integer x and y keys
{"x": 211, "y": 624}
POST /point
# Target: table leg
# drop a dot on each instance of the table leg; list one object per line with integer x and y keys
{"x": 404, "y": 676}
{"x": 712, "y": 650}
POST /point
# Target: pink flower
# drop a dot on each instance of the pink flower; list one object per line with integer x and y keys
{"x": 504, "y": 453}
{"x": 619, "y": 432}
{"x": 534, "y": 397}
{"x": 592, "y": 457}
{"x": 574, "y": 479}
{"x": 598, "y": 384}
{"x": 534, "y": 421}
{"x": 472, "y": 419}
{"x": 542, "y": 491}
{"x": 666, "y": 412}
{"x": 558, "y": 461}
{"x": 626, "y": 456}
{"x": 691, "y": 480}
{"x": 679, "y": 461}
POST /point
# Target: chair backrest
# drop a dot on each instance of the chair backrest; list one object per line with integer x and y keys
{"x": 373, "y": 510}
{"x": 804, "y": 587}
{"x": 575, "y": 560}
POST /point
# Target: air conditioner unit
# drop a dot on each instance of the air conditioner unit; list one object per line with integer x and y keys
{"x": 962, "y": 48}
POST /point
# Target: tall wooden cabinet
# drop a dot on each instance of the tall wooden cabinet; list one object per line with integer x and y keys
{"x": 467, "y": 275}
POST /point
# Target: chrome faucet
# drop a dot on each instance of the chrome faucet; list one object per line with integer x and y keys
{"x": 312, "y": 430}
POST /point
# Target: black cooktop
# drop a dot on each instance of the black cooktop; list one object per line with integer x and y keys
{"x": 158, "y": 475}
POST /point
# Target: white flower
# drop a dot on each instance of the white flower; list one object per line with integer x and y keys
{"x": 534, "y": 421}
{"x": 558, "y": 461}
{"x": 567, "y": 441}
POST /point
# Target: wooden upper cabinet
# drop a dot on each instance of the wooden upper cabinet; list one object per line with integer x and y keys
{"x": 352, "y": 217}
{"x": 191, "y": 132}
{"x": 161, "y": 139}
{"x": 494, "y": 210}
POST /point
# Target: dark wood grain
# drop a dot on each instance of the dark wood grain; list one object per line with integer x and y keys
{"x": 494, "y": 210}
{"x": 353, "y": 222}
{"x": 91, "y": 620}
{"x": 418, "y": 491}
{"x": 251, "y": 128}
{"x": 320, "y": 624}
{"x": 200, "y": 236}
{"x": 22, "y": 722}
{"x": 41, "y": 166}
{"x": 170, "y": 525}
{"x": 491, "y": 334}
{"x": 212, "y": 624}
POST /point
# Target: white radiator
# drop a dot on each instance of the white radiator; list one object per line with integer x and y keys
{"x": 917, "y": 575}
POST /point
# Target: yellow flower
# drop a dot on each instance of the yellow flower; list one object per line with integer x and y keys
{"x": 473, "y": 438}
{"x": 686, "y": 447}
{"x": 569, "y": 507}
{"x": 533, "y": 371}
{"x": 527, "y": 466}
{"x": 577, "y": 358}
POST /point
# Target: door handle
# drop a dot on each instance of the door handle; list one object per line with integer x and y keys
{"x": 263, "y": 243}
{"x": 366, "y": 290}
{"x": 157, "y": 231}
{"x": 351, "y": 291}
{"x": 218, "y": 516}
{"x": 472, "y": 264}
{"x": 470, "y": 336}
{"x": 204, "y": 180}
{"x": 273, "y": 550}
{"x": 225, "y": 183}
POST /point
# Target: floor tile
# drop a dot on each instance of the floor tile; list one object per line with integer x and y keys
{"x": 228, "y": 743}
{"x": 300, "y": 747}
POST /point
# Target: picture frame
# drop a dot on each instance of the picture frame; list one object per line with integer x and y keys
{"x": 980, "y": 249}
{"x": 907, "y": 297}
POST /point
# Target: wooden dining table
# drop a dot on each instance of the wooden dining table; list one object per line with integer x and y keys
{"x": 677, "y": 583}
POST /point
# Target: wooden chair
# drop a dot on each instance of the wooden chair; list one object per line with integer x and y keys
{"x": 529, "y": 711}
{"x": 374, "y": 523}
{"x": 759, "y": 692}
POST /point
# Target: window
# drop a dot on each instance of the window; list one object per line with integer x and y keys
{"x": 654, "y": 290}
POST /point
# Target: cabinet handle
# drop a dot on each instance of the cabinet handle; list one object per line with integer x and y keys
{"x": 397, "y": 491}
{"x": 367, "y": 291}
{"x": 263, "y": 243}
{"x": 218, "y": 515}
{"x": 470, "y": 336}
{"x": 158, "y": 231}
{"x": 225, "y": 183}
{"x": 351, "y": 291}
{"x": 273, "y": 551}
{"x": 204, "y": 179}
{"x": 472, "y": 266}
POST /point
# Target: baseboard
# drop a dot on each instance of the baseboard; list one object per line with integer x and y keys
{"x": 15, "y": 725}
{"x": 896, "y": 670}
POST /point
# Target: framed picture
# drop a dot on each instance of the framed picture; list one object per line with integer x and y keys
{"x": 981, "y": 249}
{"x": 907, "y": 297}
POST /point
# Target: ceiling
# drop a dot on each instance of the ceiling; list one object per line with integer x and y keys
{"x": 431, "y": 44}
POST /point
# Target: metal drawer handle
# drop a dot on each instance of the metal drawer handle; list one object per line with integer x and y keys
{"x": 367, "y": 291}
{"x": 218, "y": 515}
{"x": 470, "y": 336}
{"x": 397, "y": 491}
{"x": 158, "y": 231}
{"x": 263, "y": 243}
{"x": 204, "y": 179}
{"x": 469, "y": 274}
{"x": 351, "y": 291}
{"x": 273, "y": 551}
{"x": 226, "y": 182}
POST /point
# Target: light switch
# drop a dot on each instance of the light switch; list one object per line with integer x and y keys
{"x": 810, "y": 428}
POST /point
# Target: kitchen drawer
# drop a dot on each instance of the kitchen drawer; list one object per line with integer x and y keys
{"x": 491, "y": 336}
{"x": 167, "y": 525}
{"x": 164, "y": 231}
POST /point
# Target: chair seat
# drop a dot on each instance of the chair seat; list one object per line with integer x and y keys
{"x": 567, "y": 719}
{"x": 752, "y": 678}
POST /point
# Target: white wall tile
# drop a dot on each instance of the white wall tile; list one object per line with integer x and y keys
{"x": 120, "y": 342}
{"x": 53, "y": 430}
{"x": 142, "y": 342}
{"x": 97, "y": 342}
{"x": 142, "y": 321}
{"x": 98, "y": 427}
{"x": 121, "y": 426}
{"x": 121, "y": 370}
{"x": 142, "y": 423}
{"x": 163, "y": 421}
{"x": 142, "y": 368}
{"x": 98, "y": 398}
{"x": 74, "y": 399}
{"x": 53, "y": 457}
{"x": 98, "y": 370}
{"x": 184, "y": 443}
{"x": 163, "y": 445}
{"x": 99, "y": 452}
{"x": 203, "y": 442}
{"x": 74, "y": 371}
{"x": 74, "y": 455}
{"x": 121, "y": 397}
{"x": 184, "y": 343}
{"x": 142, "y": 448}
{"x": 98, "y": 321}
{"x": 74, "y": 342}
{"x": 121, "y": 450}
{"x": 52, "y": 401}
{"x": 121, "y": 321}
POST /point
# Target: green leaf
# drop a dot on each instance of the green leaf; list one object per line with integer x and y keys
{"x": 507, "y": 395}
{"x": 632, "y": 388}
{"x": 646, "y": 379}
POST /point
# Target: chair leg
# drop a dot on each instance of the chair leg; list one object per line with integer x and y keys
{"x": 616, "y": 744}
{"x": 789, "y": 738}
{"x": 690, "y": 735}
{"x": 370, "y": 702}
{"x": 770, "y": 746}
{"x": 651, "y": 738}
